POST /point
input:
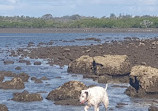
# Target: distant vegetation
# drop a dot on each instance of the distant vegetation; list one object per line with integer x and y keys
{"x": 77, "y": 21}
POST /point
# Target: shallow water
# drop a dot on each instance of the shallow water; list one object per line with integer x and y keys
{"x": 58, "y": 75}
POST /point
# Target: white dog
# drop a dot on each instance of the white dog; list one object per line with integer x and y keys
{"x": 93, "y": 97}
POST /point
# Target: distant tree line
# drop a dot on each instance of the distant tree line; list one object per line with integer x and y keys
{"x": 77, "y": 21}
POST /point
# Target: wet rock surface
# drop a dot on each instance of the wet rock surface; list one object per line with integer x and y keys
{"x": 1, "y": 78}
{"x": 7, "y": 62}
{"x": 143, "y": 81}
{"x": 22, "y": 75}
{"x": 15, "y": 83}
{"x": 18, "y": 68}
{"x": 37, "y": 63}
{"x": 67, "y": 94}
{"x": 3, "y": 107}
{"x": 138, "y": 51}
{"x": 25, "y": 96}
{"x": 153, "y": 108}
{"x": 113, "y": 65}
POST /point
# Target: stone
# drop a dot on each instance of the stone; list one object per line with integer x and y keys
{"x": 37, "y": 63}
{"x": 6, "y": 62}
{"x": 15, "y": 83}
{"x": 18, "y": 68}
{"x": 67, "y": 94}
{"x": 153, "y": 108}
{"x": 143, "y": 80}
{"x": 113, "y": 65}
{"x": 24, "y": 77}
{"x": 26, "y": 97}
{"x": 3, "y": 107}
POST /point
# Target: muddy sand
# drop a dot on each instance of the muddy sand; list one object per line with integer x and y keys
{"x": 76, "y": 30}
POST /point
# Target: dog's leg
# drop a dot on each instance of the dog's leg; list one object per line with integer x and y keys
{"x": 106, "y": 103}
{"x": 96, "y": 107}
{"x": 86, "y": 108}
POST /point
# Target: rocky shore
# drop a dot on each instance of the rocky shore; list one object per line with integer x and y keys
{"x": 130, "y": 61}
{"x": 139, "y": 52}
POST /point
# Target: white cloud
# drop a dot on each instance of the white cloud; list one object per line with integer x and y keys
{"x": 6, "y": 7}
{"x": 12, "y": 1}
{"x": 148, "y": 2}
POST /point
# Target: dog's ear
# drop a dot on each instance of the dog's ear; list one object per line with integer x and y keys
{"x": 86, "y": 92}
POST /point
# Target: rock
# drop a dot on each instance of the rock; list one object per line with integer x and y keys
{"x": 144, "y": 80}
{"x": 67, "y": 94}
{"x": 94, "y": 39}
{"x": 3, "y": 107}
{"x": 25, "y": 61}
{"x": 38, "y": 81}
{"x": 1, "y": 78}
{"x": 24, "y": 77}
{"x": 104, "y": 79}
{"x": 31, "y": 44}
{"x": 15, "y": 83}
{"x": 153, "y": 108}
{"x": 143, "y": 63}
{"x": 26, "y": 97}
{"x": 66, "y": 50}
{"x": 6, "y": 62}
{"x": 37, "y": 63}
{"x": 120, "y": 105}
{"x": 115, "y": 79}
{"x": 7, "y": 73}
{"x": 18, "y": 68}
{"x": 81, "y": 65}
{"x": 44, "y": 78}
{"x": 33, "y": 78}
{"x": 154, "y": 43}
{"x": 113, "y": 65}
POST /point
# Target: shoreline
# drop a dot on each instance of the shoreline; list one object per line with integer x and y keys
{"x": 78, "y": 30}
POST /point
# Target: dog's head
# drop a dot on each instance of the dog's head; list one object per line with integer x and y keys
{"x": 84, "y": 96}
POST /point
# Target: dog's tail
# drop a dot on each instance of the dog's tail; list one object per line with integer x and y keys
{"x": 106, "y": 86}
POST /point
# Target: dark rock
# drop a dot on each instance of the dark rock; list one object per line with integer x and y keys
{"x": 104, "y": 79}
{"x": 1, "y": 78}
{"x": 120, "y": 105}
{"x": 94, "y": 39}
{"x": 33, "y": 78}
{"x": 25, "y": 61}
{"x": 7, "y": 73}
{"x": 50, "y": 43}
{"x": 30, "y": 44}
{"x": 37, "y": 63}
{"x": 3, "y": 107}
{"x": 153, "y": 108}
{"x": 67, "y": 94}
{"x": 26, "y": 97}
{"x": 74, "y": 102}
{"x": 24, "y": 77}
{"x": 15, "y": 83}
{"x": 6, "y": 62}
{"x": 18, "y": 68}
{"x": 38, "y": 81}
{"x": 44, "y": 78}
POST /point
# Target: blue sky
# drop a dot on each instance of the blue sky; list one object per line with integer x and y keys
{"x": 97, "y": 8}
